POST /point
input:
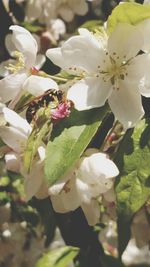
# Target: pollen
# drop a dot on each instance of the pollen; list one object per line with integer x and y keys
{"x": 19, "y": 65}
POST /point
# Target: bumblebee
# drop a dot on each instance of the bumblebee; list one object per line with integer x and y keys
{"x": 51, "y": 95}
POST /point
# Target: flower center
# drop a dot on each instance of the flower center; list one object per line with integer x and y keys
{"x": 19, "y": 65}
{"x": 113, "y": 69}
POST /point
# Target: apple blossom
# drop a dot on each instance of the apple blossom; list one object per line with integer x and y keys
{"x": 14, "y": 133}
{"x": 92, "y": 177}
{"x": 21, "y": 80}
{"x": 106, "y": 69}
{"x": 46, "y": 10}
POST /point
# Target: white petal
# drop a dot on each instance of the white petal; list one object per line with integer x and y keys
{"x": 79, "y": 7}
{"x": 68, "y": 199}
{"x": 76, "y": 49}
{"x": 91, "y": 212}
{"x": 12, "y": 162}
{"x": 84, "y": 191}
{"x": 42, "y": 151}
{"x": 96, "y": 167}
{"x": 73, "y": 53}
{"x": 144, "y": 26}
{"x": 25, "y": 43}
{"x": 40, "y": 60}
{"x": 125, "y": 41}
{"x": 11, "y": 85}
{"x": 56, "y": 188}
{"x": 55, "y": 55}
{"x": 33, "y": 10}
{"x": 34, "y": 180}
{"x": 37, "y": 85}
{"x": 58, "y": 28}
{"x": 16, "y": 121}
{"x": 66, "y": 13}
{"x": 110, "y": 195}
{"x": 9, "y": 44}
{"x": 89, "y": 93}
{"x": 13, "y": 138}
{"x": 3, "y": 67}
{"x": 126, "y": 104}
{"x": 142, "y": 64}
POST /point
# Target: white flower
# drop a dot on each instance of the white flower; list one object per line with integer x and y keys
{"x": 15, "y": 134}
{"x": 112, "y": 72}
{"x": 46, "y": 10}
{"x": 92, "y": 177}
{"x": 13, "y": 85}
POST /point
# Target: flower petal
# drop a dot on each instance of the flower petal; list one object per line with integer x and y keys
{"x": 144, "y": 26}
{"x": 142, "y": 64}
{"x": 34, "y": 180}
{"x": 55, "y": 55}
{"x": 79, "y": 7}
{"x": 16, "y": 121}
{"x": 91, "y": 212}
{"x": 126, "y": 104}
{"x": 97, "y": 166}
{"x": 89, "y": 93}
{"x": 37, "y": 85}
{"x": 13, "y": 138}
{"x": 40, "y": 60}
{"x": 74, "y": 51}
{"x": 68, "y": 198}
{"x": 33, "y": 10}
{"x": 66, "y": 13}
{"x": 11, "y": 85}
{"x": 25, "y": 43}
{"x": 9, "y": 44}
{"x": 12, "y": 162}
{"x": 125, "y": 41}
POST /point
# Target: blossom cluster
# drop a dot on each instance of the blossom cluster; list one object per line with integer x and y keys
{"x": 96, "y": 68}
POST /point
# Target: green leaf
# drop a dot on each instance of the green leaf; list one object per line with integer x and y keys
{"x": 70, "y": 139}
{"x": 32, "y": 27}
{"x": 133, "y": 184}
{"x": 131, "y": 13}
{"x": 92, "y": 25}
{"x": 60, "y": 257}
{"x": 34, "y": 141}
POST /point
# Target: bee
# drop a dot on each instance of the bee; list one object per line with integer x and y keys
{"x": 51, "y": 95}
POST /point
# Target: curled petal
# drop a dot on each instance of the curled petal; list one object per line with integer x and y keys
{"x": 97, "y": 166}
{"x": 25, "y": 43}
